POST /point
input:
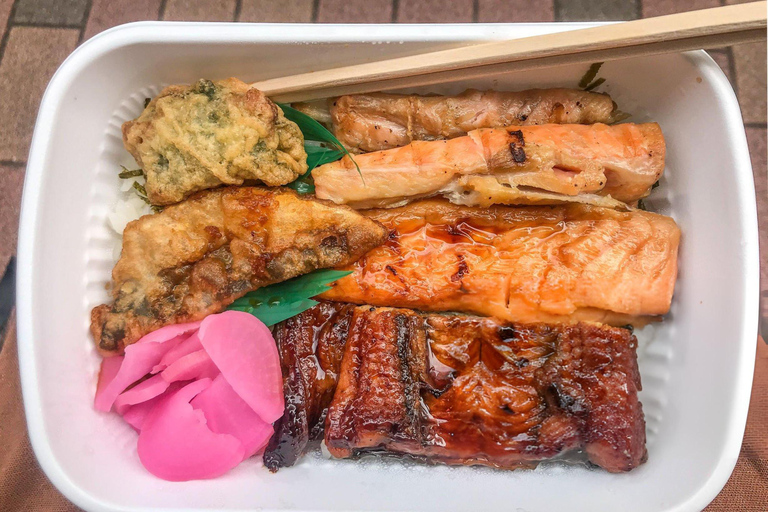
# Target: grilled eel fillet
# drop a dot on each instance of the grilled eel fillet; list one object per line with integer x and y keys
{"x": 311, "y": 345}
{"x": 527, "y": 264}
{"x": 196, "y": 257}
{"x": 372, "y": 122}
{"x": 458, "y": 389}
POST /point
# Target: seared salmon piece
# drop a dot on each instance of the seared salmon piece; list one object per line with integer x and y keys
{"x": 372, "y": 122}
{"x": 525, "y": 264}
{"x": 549, "y": 164}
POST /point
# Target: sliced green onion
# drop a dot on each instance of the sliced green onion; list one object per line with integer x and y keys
{"x": 130, "y": 173}
{"x": 594, "y": 85}
{"x": 590, "y": 75}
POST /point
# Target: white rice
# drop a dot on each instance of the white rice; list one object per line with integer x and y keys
{"x": 129, "y": 206}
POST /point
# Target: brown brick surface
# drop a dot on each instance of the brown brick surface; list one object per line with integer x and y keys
{"x": 723, "y": 59}
{"x": 515, "y": 11}
{"x": 5, "y": 11}
{"x": 661, "y": 7}
{"x": 51, "y": 12}
{"x": 596, "y": 10}
{"x": 756, "y": 137}
{"x": 109, "y": 13}
{"x": 750, "y": 64}
{"x": 284, "y": 11}
{"x": 200, "y": 10}
{"x": 31, "y": 56}
{"x": 11, "y": 181}
{"x": 354, "y": 11}
{"x": 435, "y": 11}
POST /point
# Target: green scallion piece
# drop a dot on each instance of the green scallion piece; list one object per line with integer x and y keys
{"x": 130, "y": 173}
{"x": 590, "y": 75}
{"x": 140, "y": 188}
{"x": 594, "y": 85}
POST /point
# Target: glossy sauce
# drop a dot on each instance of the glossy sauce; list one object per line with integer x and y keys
{"x": 532, "y": 264}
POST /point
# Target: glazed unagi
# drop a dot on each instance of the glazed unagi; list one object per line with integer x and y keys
{"x": 311, "y": 346}
{"x": 459, "y": 389}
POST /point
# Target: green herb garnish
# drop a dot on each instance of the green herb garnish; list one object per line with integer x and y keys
{"x": 597, "y": 83}
{"x": 141, "y": 191}
{"x": 641, "y": 205}
{"x": 655, "y": 185}
{"x": 319, "y": 154}
{"x": 140, "y": 188}
{"x": 130, "y": 173}
{"x": 590, "y": 75}
{"x": 316, "y": 155}
{"x": 588, "y": 83}
{"x": 311, "y": 129}
{"x": 329, "y": 149}
{"x": 277, "y": 302}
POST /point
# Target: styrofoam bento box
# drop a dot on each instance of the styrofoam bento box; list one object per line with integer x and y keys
{"x": 696, "y": 366}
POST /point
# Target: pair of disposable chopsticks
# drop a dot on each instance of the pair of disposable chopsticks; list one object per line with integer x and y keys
{"x": 708, "y": 28}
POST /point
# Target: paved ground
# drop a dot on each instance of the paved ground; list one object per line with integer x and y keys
{"x": 38, "y": 34}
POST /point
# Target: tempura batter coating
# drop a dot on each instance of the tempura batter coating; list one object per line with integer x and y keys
{"x": 195, "y": 258}
{"x": 192, "y": 138}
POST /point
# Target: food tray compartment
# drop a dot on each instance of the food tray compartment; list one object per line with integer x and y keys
{"x": 696, "y": 366}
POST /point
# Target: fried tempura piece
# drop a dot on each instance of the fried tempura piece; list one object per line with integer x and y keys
{"x": 192, "y": 138}
{"x": 195, "y": 258}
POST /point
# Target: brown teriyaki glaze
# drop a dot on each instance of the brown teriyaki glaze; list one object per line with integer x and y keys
{"x": 458, "y": 389}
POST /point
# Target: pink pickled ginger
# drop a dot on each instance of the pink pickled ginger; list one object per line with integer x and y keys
{"x": 176, "y": 444}
{"x": 203, "y": 396}
{"x": 243, "y": 349}
{"x": 227, "y": 413}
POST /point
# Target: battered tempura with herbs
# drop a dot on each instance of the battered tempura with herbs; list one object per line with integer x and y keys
{"x": 192, "y": 138}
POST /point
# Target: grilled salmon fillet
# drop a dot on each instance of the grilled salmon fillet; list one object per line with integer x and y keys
{"x": 469, "y": 390}
{"x": 547, "y": 164}
{"x": 523, "y": 264}
{"x": 372, "y": 122}
{"x": 196, "y": 257}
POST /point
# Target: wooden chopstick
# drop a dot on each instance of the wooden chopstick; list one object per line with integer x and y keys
{"x": 708, "y": 28}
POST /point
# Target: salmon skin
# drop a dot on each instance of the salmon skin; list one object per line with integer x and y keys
{"x": 468, "y": 390}
{"x": 563, "y": 263}
{"x": 372, "y": 122}
{"x": 548, "y": 164}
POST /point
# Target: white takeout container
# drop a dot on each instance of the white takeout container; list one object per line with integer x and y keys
{"x": 697, "y": 371}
